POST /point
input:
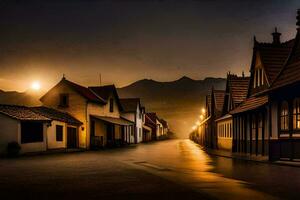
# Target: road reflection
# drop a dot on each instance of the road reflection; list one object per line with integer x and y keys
{"x": 186, "y": 163}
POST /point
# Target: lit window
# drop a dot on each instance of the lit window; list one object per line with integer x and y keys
{"x": 284, "y": 116}
{"x": 296, "y": 114}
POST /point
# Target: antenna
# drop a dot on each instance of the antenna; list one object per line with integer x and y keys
{"x": 100, "y": 79}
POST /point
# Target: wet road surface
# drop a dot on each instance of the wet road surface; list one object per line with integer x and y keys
{"x": 172, "y": 169}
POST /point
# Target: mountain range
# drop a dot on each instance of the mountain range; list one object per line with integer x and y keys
{"x": 179, "y": 102}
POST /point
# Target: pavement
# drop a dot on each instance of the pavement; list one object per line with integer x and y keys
{"x": 244, "y": 156}
{"x": 171, "y": 169}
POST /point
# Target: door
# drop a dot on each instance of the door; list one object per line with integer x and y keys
{"x": 110, "y": 134}
{"x": 71, "y": 137}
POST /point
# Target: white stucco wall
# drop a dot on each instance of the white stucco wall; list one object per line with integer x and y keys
{"x": 11, "y": 131}
{"x": 35, "y": 146}
{"x": 139, "y": 124}
{"x": 159, "y": 129}
{"x": 51, "y": 136}
{"x": 8, "y": 132}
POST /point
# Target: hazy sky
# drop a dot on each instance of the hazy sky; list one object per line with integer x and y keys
{"x": 130, "y": 40}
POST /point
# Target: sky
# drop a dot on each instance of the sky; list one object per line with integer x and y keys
{"x": 127, "y": 41}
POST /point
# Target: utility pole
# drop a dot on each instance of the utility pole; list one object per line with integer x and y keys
{"x": 100, "y": 79}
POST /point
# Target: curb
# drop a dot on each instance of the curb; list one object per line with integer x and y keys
{"x": 279, "y": 163}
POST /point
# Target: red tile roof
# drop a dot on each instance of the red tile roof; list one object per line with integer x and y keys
{"x": 85, "y": 92}
{"x": 56, "y": 115}
{"x": 130, "y": 104}
{"x": 238, "y": 87}
{"x": 219, "y": 99}
{"x": 250, "y": 104}
{"x": 273, "y": 57}
{"x": 21, "y": 113}
{"x": 291, "y": 71}
{"x": 104, "y": 92}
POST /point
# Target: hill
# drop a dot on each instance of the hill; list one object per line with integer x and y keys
{"x": 178, "y": 101}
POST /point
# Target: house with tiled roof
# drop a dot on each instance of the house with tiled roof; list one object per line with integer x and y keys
{"x": 266, "y": 122}
{"x": 35, "y": 129}
{"x": 284, "y": 103}
{"x": 132, "y": 111}
{"x": 235, "y": 93}
{"x": 214, "y": 106}
{"x": 150, "y": 121}
{"x": 97, "y": 107}
{"x": 156, "y": 124}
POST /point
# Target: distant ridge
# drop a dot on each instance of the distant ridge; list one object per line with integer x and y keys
{"x": 178, "y": 101}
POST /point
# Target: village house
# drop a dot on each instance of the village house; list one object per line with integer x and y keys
{"x": 252, "y": 120}
{"x": 147, "y": 130}
{"x": 235, "y": 93}
{"x": 165, "y": 126}
{"x": 214, "y": 106}
{"x": 150, "y": 121}
{"x": 98, "y": 108}
{"x": 132, "y": 111}
{"x": 157, "y": 125}
{"x": 205, "y": 132}
{"x": 36, "y": 129}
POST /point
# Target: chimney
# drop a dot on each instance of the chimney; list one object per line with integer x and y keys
{"x": 276, "y": 37}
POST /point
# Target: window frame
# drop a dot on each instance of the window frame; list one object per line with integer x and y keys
{"x": 59, "y": 136}
{"x": 284, "y": 116}
{"x": 27, "y": 129}
{"x": 63, "y": 103}
{"x": 296, "y": 114}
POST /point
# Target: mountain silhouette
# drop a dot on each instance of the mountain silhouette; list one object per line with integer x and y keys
{"x": 179, "y": 101}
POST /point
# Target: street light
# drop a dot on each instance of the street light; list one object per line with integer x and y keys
{"x": 203, "y": 110}
{"x": 201, "y": 117}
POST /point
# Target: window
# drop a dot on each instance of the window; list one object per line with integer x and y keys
{"x": 64, "y": 100}
{"x": 31, "y": 132}
{"x": 59, "y": 133}
{"x": 258, "y": 78}
{"x": 284, "y": 116}
{"x": 296, "y": 114}
{"x": 111, "y": 105}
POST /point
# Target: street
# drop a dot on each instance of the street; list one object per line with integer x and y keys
{"x": 171, "y": 169}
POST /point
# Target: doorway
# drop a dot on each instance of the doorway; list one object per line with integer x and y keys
{"x": 71, "y": 137}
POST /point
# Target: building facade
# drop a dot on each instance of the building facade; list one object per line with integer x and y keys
{"x": 132, "y": 111}
{"x": 98, "y": 108}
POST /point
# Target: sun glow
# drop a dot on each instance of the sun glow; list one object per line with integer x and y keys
{"x": 36, "y": 85}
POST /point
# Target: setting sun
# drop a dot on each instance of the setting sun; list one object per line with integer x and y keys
{"x": 36, "y": 85}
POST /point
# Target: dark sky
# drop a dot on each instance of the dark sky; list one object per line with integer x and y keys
{"x": 130, "y": 40}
